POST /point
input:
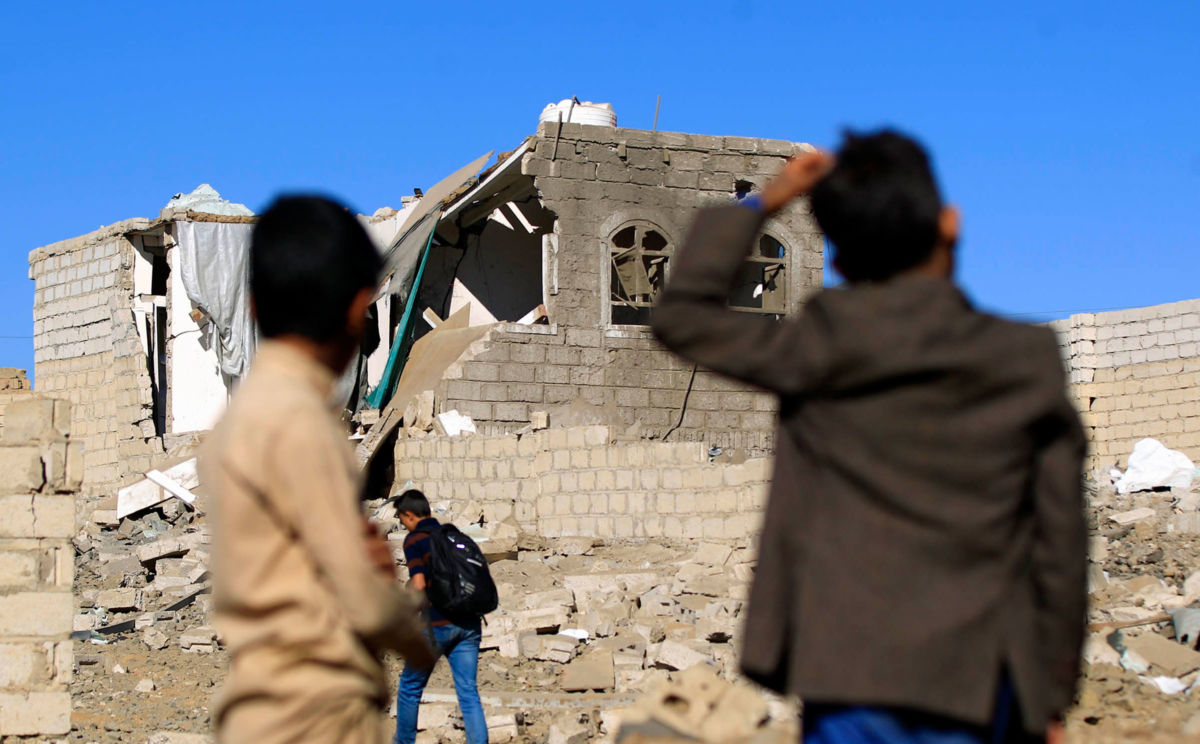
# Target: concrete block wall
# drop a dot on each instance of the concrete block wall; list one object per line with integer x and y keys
{"x": 596, "y": 180}
{"x": 522, "y": 369}
{"x": 1134, "y": 374}
{"x": 579, "y": 482}
{"x": 40, "y": 469}
{"x": 87, "y": 350}
{"x": 14, "y": 385}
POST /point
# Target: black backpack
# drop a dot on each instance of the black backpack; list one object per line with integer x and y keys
{"x": 457, "y": 579}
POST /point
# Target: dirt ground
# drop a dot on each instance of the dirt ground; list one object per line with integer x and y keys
{"x": 658, "y": 594}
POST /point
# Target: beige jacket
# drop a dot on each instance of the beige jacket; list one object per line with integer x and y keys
{"x": 303, "y": 612}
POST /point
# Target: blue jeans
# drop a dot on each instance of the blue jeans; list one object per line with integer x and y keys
{"x": 864, "y": 724}
{"x": 460, "y": 646}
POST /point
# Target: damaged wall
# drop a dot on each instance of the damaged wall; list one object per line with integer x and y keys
{"x": 87, "y": 349}
{"x": 1135, "y": 374}
{"x": 580, "y": 482}
{"x": 597, "y": 182}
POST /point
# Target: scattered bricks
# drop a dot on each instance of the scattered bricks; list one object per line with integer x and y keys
{"x": 1130, "y": 517}
{"x": 592, "y": 671}
{"x": 674, "y": 655}
{"x": 120, "y": 600}
{"x": 1167, "y": 657}
{"x": 200, "y": 640}
{"x": 568, "y": 729}
{"x": 164, "y": 547}
{"x": 501, "y": 727}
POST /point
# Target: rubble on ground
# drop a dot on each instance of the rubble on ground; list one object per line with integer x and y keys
{"x": 592, "y": 635}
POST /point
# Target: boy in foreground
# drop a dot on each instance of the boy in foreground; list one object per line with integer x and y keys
{"x": 305, "y": 590}
{"x": 922, "y": 568}
{"x": 455, "y": 638}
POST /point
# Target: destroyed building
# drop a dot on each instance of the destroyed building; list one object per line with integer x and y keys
{"x": 558, "y": 250}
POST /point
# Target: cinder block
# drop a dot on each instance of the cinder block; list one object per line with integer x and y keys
{"x": 18, "y": 569}
{"x": 21, "y": 467}
{"x": 35, "y": 713}
{"x": 38, "y": 614}
{"x": 33, "y": 420}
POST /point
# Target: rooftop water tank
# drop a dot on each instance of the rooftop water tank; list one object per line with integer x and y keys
{"x": 580, "y": 112}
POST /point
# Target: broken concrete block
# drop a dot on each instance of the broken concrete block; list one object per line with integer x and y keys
{"x": 556, "y": 648}
{"x": 145, "y": 685}
{"x": 1165, "y": 656}
{"x": 592, "y": 671}
{"x": 166, "y": 547}
{"x": 150, "y": 491}
{"x": 120, "y": 600}
{"x": 155, "y": 638}
{"x": 502, "y": 727}
{"x": 675, "y": 655}
{"x": 1133, "y": 516}
{"x": 418, "y": 414}
{"x": 568, "y": 729}
{"x": 202, "y": 639}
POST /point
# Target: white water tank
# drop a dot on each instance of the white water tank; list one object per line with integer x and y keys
{"x": 580, "y": 112}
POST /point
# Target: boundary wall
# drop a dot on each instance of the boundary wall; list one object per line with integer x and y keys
{"x": 1135, "y": 374}
{"x": 579, "y": 482}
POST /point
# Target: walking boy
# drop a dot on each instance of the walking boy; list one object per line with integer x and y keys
{"x": 305, "y": 590}
{"x": 455, "y": 638}
{"x": 921, "y": 573}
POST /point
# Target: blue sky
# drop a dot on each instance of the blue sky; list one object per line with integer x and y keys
{"x": 1068, "y": 132}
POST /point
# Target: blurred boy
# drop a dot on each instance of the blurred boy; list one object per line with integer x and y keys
{"x": 921, "y": 573}
{"x": 305, "y": 590}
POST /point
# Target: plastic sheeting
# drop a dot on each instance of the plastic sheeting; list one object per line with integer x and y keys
{"x": 215, "y": 262}
{"x": 1152, "y": 465}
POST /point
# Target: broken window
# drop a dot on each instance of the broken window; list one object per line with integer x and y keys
{"x": 640, "y": 254}
{"x": 762, "y": 283}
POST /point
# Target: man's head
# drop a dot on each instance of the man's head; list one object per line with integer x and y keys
{"x": 313, "y": 274}
{"x": 411, "y": 508}
{"x": 881, "y": 209}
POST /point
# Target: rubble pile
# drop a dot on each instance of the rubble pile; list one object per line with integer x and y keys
{"x": 597, "y": 636}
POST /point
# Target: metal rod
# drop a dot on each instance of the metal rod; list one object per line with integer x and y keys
{"x": 657, "y": 106}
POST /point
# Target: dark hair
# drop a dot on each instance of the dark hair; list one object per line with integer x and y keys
{"x": 309, "y": 257}
{"x": 413, "y": 501}
{"x": 879, "y": 205}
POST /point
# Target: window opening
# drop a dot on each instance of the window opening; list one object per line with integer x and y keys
{"x": 640, "y": 255}
{"x": 762, "y": 282}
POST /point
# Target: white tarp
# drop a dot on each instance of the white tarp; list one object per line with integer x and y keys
{"x": 215, "y": 260}
{"x": 1152, "y": 465}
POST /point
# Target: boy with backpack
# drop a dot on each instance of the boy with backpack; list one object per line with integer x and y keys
{"x": 922, "y": 566}
{"x": 450, "y": 570}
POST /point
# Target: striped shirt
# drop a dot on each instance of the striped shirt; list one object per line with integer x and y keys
{"x": 416, "y": 557}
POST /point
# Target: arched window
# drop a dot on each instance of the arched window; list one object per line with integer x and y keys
{"x": 762, "y": 283}
{"x": 640, "y": 253}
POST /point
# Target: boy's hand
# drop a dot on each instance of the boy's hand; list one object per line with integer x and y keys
{"x": 1055, "y": 733}
{"x": 799, "y": 175}
{"x": 378, "y": 552}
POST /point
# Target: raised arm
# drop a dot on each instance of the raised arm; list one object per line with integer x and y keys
{"x": 692, "y": 317}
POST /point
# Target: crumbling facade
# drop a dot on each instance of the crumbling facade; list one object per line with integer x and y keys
{"x": 588, "y": 219}
{"x": 1135, "y": 374}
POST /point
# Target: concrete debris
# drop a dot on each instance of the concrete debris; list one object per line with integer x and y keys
{"x": 145, "y": 685}
{"x": 592, "y": 671}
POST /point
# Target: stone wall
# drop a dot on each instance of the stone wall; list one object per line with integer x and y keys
{"x": 14, "y": 385}
{"x": 580, "y": 482}
{"x": 87, "y": 350}
{"x": 1135, "y": 374}
{"x": 596, "y": 180}
{"x": 40, "y": 468}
